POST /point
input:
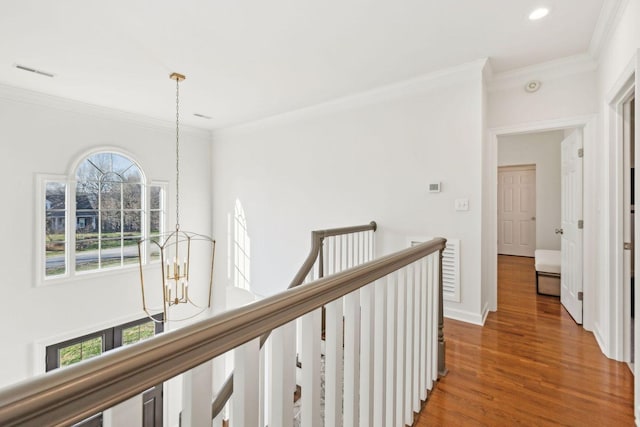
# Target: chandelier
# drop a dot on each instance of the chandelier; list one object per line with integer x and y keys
{"x": 182, "y": 280}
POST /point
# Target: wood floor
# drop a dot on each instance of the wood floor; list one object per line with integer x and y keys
{"x": 529, "y": 365}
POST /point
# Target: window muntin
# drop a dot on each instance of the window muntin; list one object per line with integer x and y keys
{"x": 109, "y": 215}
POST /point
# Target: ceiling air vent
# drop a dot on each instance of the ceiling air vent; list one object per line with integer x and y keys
{"x": 33, "y": 70}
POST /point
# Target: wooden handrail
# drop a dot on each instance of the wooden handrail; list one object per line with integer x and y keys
{"x": 69, "y": 395}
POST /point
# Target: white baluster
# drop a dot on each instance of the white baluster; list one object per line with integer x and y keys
{"x": 282, "y": 382}
{"x": 367, "y": 353}
{"x": 333, "y": 364}
{"x": 409, "y": 349}
{"x": 435, "y": 309}
{"x": 380, "y": 359}
{"x": 401, "y": 347}
{"x": 351, "y": 357}
{"x": 245, "y": 389}
{"x": 310, "y": 383}
{"x": 391, "y": 377}
{"x": 429, "y": 312}
{"x": 424, "y": 339}
{"x": 417, "y": 296}
{"x": 197, "y": 394}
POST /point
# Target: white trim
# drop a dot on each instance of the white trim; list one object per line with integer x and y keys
{"x": 620, "y": 92}
{"x": 407, "y": 87}
{"x": 485, "y": 312}
{"x": 464, "y": 316}
{"x": 17, "y": 94}
{"x": 491, "y": 188}
{"x": 567, "y": 66}
{"x": 610, "y": 14}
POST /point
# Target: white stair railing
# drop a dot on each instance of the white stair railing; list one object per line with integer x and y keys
{"x": 386, "y": 287}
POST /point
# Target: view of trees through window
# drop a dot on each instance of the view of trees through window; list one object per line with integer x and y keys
{"x": 108, "y": 211}
{"x": 110, "y": 215}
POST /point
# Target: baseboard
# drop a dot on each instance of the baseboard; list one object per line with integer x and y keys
{"x": 600, "y": 340}
{"x": 485, "y": 312}
{"x": 464, "y": 316}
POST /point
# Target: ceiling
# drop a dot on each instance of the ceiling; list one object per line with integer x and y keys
{"x": 249, "y": 59}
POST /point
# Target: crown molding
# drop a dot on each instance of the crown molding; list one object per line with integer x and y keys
{"x": 570, "y": 65}
{"x": 412, "y": 86}
{"x": 610, "y": 14}
{"x": 21, "y": 95}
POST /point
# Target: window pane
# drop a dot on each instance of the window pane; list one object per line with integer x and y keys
{"x": 138, "y": 333}
{"x": 86, "y": 252}
{"x": 130, "y": 250}
{"x": 111, "y": 224}
{"x": 86, "y": 221}
{"x": 132, "y": 174}
{"x": 87, "y": 196}
{"x": 55, "y": 195}
{"x": 55, "y": 228}
{"x": 80, "y": 351}
{"x": 155, "y": 222}
{"x": 153, "y": 248}
{"x": 111, "y": 192}
{"x": 155, "y": 191}
{"x": 133, "y": 223}
{"x": 132, "y": 196}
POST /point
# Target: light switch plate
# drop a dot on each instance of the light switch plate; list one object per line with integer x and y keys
{"x": 462, "y": 204}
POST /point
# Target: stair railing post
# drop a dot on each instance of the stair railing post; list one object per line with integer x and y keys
{"x": 442, "y": 366}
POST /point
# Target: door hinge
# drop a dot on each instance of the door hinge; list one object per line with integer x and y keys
{"x": 580, "y": 224}
{"x": 580, "y": 296}
{"x": 628, "y": 246}
{"x": 580, "y": 152}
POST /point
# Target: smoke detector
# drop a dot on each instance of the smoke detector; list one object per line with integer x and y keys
{"x": 532, "y": 86}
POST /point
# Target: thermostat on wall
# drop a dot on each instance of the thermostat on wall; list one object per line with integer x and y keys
{"x": 434, "y": 188}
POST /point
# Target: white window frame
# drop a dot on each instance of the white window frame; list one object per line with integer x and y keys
{"x": 69, "y": 181}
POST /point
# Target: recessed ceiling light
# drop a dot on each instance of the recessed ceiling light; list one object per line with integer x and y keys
{"x": 538, "y": 13}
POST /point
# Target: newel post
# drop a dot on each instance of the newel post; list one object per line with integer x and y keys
{"x": 442, "y": 366}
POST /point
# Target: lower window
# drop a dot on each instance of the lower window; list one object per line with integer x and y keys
{"x": 75, "y": 350}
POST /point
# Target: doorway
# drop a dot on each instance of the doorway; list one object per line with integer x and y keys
{"x": 517, "y": 210}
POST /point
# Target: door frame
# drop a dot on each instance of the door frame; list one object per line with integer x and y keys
{"x": 625, "y": 87}
{"x": 519, "y": 168}
{"x": 490, "y": 223}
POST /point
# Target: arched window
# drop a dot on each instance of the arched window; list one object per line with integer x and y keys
{"x": 111, "y": 209}
{"x": 242, "y": 249}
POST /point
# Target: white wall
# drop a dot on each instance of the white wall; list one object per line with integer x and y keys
{"x": 543, "y": 150}
{"x": 370, "y": 157}
{"x": 618, "y": 57}
{"x": 43, "y": 134}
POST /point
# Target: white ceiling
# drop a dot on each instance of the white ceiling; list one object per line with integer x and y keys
{"x": 248, "y": 59}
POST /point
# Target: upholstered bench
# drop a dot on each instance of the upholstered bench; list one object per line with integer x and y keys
{"x": 547, "y": 272}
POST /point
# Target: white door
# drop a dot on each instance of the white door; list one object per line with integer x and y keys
{"x": 517, "y": 210}
{"x": 571, "y": 242}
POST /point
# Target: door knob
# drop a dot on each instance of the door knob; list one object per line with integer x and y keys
{"x": 533, "y": 218}
{"x": 559, "y": 231}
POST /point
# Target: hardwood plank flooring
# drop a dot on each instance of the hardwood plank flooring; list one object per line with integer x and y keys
{"x": 529, "y": 365}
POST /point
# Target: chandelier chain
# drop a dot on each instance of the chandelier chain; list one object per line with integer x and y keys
{"x": 177, "y": 154}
